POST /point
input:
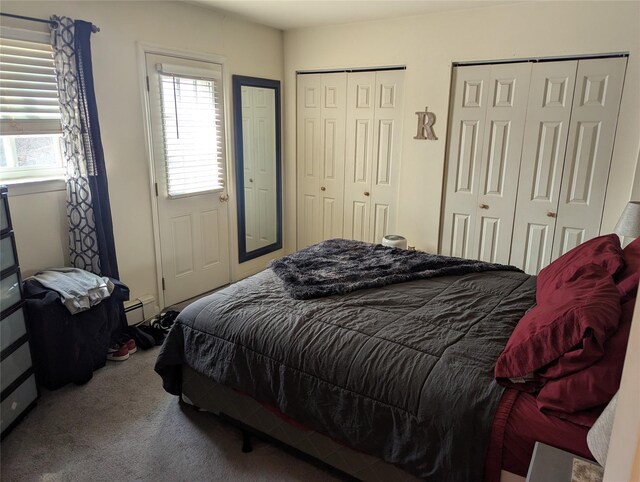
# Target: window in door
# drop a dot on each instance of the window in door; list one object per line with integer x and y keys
{"x": 191, "y": 115}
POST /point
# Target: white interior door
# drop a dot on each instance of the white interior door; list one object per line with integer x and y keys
{"x": 185, "y": 106}
{"x": 387, "y": 141}
{"x": 361, "y": 100}
{"x": 594, "y": 118}
{"x": 500, "y": 166}
{"x": 308, "y": 159}
{"x": 466, "y": 141}
{"x": 332, "y": 117}
{"x": 259, "y": 151}
{"x": 543, "y": 154}
{"x": 321, "y": 153}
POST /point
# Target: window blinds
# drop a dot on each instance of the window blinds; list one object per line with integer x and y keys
{"x": 192, "y": 132}
{"x": 28, "y": 88}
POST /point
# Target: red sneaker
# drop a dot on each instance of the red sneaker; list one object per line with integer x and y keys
{"x": 118, "y": 353}
{"x": 131, "y": 346}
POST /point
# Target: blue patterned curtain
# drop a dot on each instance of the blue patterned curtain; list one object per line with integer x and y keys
{"x": 91, "y": 242}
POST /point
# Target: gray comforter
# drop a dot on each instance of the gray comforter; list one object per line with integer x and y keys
{"x": 403, "y": 372}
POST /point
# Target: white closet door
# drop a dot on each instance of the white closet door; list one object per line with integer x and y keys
{"x": 308, "y": 159}
{"x": 361, "y": 92}
{"x": 500, "y": 166}
{"x": 468, "y": 112}
{"x": 591, "y": 135}
{"x": 387, "y": 142}
{"x": 333, "y": 118}
{"x": 322, "y": 101}
{"x": 543, "y": 153}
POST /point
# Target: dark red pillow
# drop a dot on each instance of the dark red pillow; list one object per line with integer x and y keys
{"x": 580, "y": 397}
{"x": 604, "y": 251}
{"x": 627, "y": 280}
{"x": 568, "y": 328}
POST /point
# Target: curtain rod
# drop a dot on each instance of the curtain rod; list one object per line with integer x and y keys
{"x": 53, "y": 24}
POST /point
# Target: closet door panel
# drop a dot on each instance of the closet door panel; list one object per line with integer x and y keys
{"x": 589, "y": 149}
{"x": 461, "y": 229}
{"x": 360, "y": 221}
{"x": 468, "y": 112}
{"x": 387, "y": 143}
{"x": 361, "y": 88}
{"x": 333, "y": 117}
{"x": 321, "y": 151}
{"x": 543, "y": 153}
{"x": 382, "y": 219}
{"x": 308, "y": 159}
{"x": 500, "y": 165}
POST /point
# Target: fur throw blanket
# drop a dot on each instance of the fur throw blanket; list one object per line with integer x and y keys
{"x": 340, "y": 266}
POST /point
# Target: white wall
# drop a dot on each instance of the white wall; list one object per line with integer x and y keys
{"x": 428, "y": 45}
{"x": 250, "y": 49}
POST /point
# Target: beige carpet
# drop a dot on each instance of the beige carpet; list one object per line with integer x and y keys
{"x": 122, "y": 426}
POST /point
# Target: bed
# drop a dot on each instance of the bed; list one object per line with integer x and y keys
{"x": 388, "y": 383}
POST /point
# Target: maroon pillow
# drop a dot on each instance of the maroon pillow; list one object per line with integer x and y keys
{"x": 569, "y": 328}
{"x": 604, "y": 251}
{"x": 580, "y": 397}
{"x": 627, "y": 280}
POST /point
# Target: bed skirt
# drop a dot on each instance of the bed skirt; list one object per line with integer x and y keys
{"x": 206, "y": 394}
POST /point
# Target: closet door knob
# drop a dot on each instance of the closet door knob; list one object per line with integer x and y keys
{"x": 484, "y": 206}
{"x": 323, "y": 188}
{"x": 366, "y": 193}
{"x": 551, "y": 214}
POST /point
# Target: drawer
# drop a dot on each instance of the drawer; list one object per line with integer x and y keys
{"x": 7, "y": 252}
{"x": 10, "y": 293}
{"x": 12, "y": 328}
{"x": 17, "y": 402}
{"x": 14, "y": 365}
{"x": 5, "y": 220}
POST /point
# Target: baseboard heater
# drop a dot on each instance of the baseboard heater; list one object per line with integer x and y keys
{"x": 140, "y": 309}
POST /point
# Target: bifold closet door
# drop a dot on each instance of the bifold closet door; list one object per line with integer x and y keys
{"x": 373, "y": 140}
{"x": 500, "y": 161}
{"x": 490, "y": 105}
{"x": 361, "y": 95}
{"x": 387, "y": 141}
{"x": 543, "y": 154}
{"x": 561, "y": 116}
{"x": 321, "y": 148}
{"x": 468, "y": 113}
{"x": 594, "y": 118}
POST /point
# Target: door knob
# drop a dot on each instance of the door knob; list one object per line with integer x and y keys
{"x": 224, "y": 198}
{"x": 484, "y": 206}
{"x": 366, "y": 193}
{"x": 551, "y": 214}
{"x": 323, "y": 188}
{"x": 250, "y": 180}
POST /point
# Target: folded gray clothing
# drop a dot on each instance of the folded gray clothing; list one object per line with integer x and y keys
{"x": 79, "y": 289}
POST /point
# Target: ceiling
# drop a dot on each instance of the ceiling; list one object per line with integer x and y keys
{"x": 290, "y": 14}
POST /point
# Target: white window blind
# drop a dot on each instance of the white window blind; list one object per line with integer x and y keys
{"x": 192, "y": 124}
{"x": 28, "y": 88}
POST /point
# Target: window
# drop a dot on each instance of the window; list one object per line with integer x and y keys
{"x": 30, "y": 131}
{"x": 191, "y": 113}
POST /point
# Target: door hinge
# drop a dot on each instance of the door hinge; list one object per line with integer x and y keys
{"x": 148, "y": 83}
{"x": 156, "y": 189}
{"x": 163, "y": 285}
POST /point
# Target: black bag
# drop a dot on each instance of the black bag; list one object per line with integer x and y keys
{"x": 68, "y": 348}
